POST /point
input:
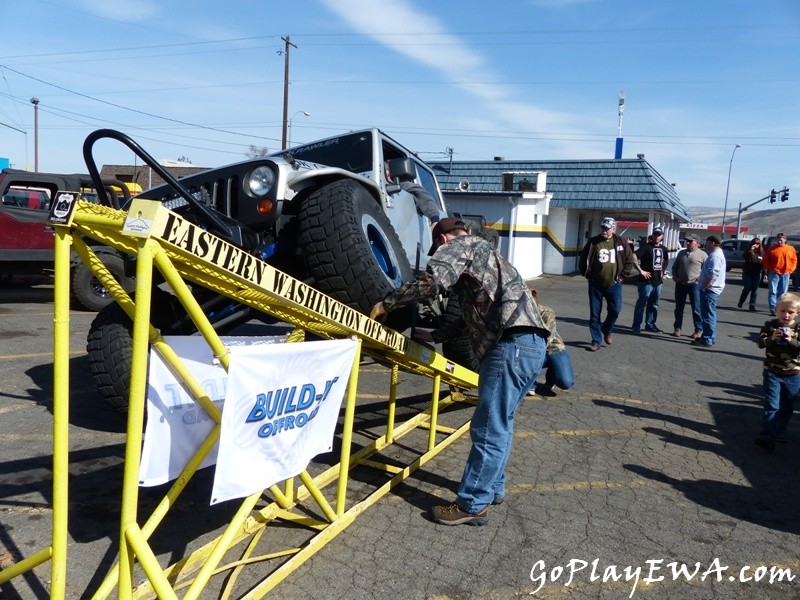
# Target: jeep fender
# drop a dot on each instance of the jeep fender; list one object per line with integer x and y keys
{"x": 305, "y": 183}
{"x": 411, "y": 227}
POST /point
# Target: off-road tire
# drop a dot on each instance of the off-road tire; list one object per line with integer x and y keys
{"x": 490, "y": 235}
{"x": 88, "y": 292}
{"x": 350, "y": 248}
{"x": 457, "y": 346}
{"x": 109, "y": 345}
{"x": 487, "y": 233}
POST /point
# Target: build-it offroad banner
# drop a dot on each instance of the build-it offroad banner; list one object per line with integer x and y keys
{"x": 281, "y": 410}
{"x": 280, "y": 404}
{"x": 176, "y": 424}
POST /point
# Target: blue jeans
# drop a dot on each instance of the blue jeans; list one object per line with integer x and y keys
{"x": 692, "y": 290}
{"x": 649, "y": 295}
{"x": 778, "y": 284}
{"x": 780, "y": 393}
{"x": 750, "y": 283}
{"x": 507, "y": 372}
{"x": 613, "y": 297}
{"x": 559, "y": 370}
{"x": 708, "y": 308}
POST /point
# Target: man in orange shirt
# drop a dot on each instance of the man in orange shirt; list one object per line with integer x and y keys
{"x": 780, "y": 261}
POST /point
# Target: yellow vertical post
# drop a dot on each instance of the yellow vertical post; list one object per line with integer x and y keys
{"x": 437, "y": 380}
{"x": 58, "y": 566}
{"x": 296, "y": 335}
{"x": 136, "y": 407}
{"x": 222, "y": 545}
{"x": 347, "y": 433}
{"x": 392, "y": 404}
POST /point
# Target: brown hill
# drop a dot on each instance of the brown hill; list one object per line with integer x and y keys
{"x": 771, "y": 222}
{"x": 764, "y": 222}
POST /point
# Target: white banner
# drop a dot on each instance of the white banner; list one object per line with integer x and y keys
{"x": 281, "y": 410}
{"x": 176, "y": 425}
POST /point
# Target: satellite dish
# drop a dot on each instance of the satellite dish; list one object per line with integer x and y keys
{"x": 463, "y": 185}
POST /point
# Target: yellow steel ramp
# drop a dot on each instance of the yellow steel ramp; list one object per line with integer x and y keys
{"x": 185, "y": 254}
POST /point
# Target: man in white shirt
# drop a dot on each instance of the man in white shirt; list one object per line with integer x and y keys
{"x": 711, "y": 282}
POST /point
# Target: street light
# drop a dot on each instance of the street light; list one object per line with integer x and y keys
{"x": 308, "y": 114}
{"x": 35, "y": 102}
{"x": 727, "y": 188}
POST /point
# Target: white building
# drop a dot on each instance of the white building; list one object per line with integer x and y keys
{"x": 545, "y": 211}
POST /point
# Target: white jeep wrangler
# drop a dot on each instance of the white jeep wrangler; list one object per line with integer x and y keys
{"x": 334, "y": 213}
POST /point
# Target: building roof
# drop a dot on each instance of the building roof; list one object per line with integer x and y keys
{"x": 144, "y": 176}
{"x": 630, "y": 185}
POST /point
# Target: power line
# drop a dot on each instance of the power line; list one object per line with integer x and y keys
{"x": 393, "y": 32}
{"x": 152, "y": 139}
{"x": 134, "y": 110}
{"x": 132, "y": 48}
{"x": 63, "y": 113}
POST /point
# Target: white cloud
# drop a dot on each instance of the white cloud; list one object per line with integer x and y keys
{"x": 398, "y": 24}
{"x": 402, "y": 27}
{"x": 121, "y": 10}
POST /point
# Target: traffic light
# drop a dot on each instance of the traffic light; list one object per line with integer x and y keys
{"x": 772, "y": 196}
{"x": 784, "y": 194}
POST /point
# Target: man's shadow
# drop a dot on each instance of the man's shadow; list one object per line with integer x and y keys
{"x": 770, "y": 499}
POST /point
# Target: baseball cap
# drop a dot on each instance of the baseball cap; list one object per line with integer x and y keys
{"x": 658, "y": 231}
{"x": 443, "y": 226}
{"x": 608, "y": 223}
{"x": 691, "y": 238}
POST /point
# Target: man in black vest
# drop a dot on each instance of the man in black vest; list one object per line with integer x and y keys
{"x": 653, "y": 260}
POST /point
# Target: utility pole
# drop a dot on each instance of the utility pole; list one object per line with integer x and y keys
{"x": 35, "y": 102}
{"x": 288, "y": 44}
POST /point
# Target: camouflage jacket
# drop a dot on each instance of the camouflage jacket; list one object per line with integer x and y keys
{"x": 781, "y": 358}
{"x": 492, "y": 295}
{"x": 554, "y": 343}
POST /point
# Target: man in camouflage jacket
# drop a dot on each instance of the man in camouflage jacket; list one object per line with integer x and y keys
{"x": 508, "y": 336}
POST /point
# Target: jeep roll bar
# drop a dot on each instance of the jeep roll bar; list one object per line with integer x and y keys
{"x": 212, "y": 220}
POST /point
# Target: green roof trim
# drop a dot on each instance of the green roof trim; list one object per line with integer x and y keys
{"x": 605, "y": 184}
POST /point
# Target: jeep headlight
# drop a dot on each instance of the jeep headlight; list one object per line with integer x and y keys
{"x": 261, "y": 180}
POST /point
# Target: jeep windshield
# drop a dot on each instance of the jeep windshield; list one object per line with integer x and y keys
{"x": 352, "y": 152}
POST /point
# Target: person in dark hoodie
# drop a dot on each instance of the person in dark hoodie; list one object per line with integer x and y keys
{"x": 606, "y": 260}
{"x": 751, "y": 273}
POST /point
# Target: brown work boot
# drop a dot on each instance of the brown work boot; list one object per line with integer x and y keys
{"x": 451, "y": 514}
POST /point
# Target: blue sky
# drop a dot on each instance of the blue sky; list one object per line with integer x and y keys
{"x": 523, "y": 79}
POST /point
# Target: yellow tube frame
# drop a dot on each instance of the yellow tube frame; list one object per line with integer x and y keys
{"x": 272, "y": 292}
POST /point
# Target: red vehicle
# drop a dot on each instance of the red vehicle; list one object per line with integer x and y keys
{"x": 26, "y": 241}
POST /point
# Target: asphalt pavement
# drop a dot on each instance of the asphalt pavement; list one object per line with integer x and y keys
{"x": 641, "y": 481}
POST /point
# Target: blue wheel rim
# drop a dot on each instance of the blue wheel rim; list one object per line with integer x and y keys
{"x": 381, "y": 251}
